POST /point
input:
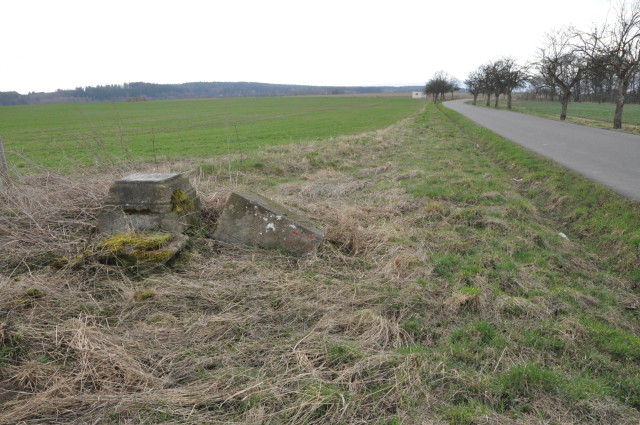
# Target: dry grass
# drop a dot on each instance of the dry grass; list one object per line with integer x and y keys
{"x": 368, "y": 330}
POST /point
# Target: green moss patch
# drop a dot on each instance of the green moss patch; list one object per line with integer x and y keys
{"x": 140, "y": 296}
{"x": 136, "y": 248}
{"x": 181, "y": 203}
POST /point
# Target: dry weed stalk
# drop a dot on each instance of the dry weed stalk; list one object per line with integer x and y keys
{"x": 46, "y": 215}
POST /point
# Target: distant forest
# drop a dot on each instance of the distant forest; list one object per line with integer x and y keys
{"x": 150, "y": 91}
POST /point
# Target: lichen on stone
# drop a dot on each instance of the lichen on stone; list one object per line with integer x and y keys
{"x": 181, "y": 203}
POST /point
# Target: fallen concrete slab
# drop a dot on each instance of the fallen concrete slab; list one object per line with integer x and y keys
{"x": 253, "y": 220}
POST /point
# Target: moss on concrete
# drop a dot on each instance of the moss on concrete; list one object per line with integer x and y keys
{"x": 135, "y": 248}
{"x": 136, "y": 241}
{"x": 181, "y": 203}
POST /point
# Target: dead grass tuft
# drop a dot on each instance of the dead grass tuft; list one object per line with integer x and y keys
{"x": 332, "y": 189}
{"x": 367, "y": 326}
{"x": 405, "y": 265}
{"x": 518, "y": 307}
{"x": 465, "y": 301}
{"x": 349, "y": 231}
{"x": 44, "y": 217}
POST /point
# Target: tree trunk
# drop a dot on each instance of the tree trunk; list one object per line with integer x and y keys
{"x": 623, "y": 85}
{"x": 617, "y": 117}
{"x": 565, "y": 102}
{"x": 475, "y": 98}
{"x": 488, "y": 99}
{"x": 509, "y": 100}
{"x": 497, "y": 98}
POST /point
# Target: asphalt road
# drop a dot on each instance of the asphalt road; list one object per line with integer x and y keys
{"x": 608, "y": 157}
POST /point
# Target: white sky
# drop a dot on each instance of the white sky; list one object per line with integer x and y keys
{"x": 51, "y": 44}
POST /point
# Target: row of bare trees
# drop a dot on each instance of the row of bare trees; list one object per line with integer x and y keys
{"x": 586, "y": 59}
{"x": 599, "y": 64}
{"x": 440, "y": 84}
{"x": 496, "y": 78}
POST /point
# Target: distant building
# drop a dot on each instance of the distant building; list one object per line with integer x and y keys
{"x": 418, "y": 95}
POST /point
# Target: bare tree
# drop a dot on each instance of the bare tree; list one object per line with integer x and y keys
{"x": 495, "y": 78}
{"x": 494, "y": 81}
{"x": 618, "y": 44}
{"x": 489, "y": 82}
{"x": 474, "y": 83}
{"x": 440, "y": 84}
{"x": 511, "y": 76}
{"x": 561, "y": 64}
{"x": 434, "y": 88}
{"x": 487, "y": 91}
{"x": 454, "y": 85}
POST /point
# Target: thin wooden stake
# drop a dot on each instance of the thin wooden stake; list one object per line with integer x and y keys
{"x": 4, "y": 172}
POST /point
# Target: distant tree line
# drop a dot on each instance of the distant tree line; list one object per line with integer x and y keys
{"x": 150, "y": 91}
{"x": 599, "y": 65}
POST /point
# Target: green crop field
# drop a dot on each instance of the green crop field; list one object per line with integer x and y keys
{"x": 90, "y": 133}
{"x": 596, "y": 114}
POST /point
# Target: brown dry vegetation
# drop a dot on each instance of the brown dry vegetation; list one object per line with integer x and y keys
{"x": 441, "y": 295}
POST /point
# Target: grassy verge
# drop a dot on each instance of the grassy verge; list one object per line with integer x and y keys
{"x": 443, "y": 293}
{"x": 601, "y": 219}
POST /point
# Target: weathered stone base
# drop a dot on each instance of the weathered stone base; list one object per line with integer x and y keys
{"x": 253, "y": 220}
{"x": 150, "y": 202}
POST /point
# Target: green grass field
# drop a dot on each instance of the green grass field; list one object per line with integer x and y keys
{"x": 97, "y": 133}
{"x": 595, "y": 114}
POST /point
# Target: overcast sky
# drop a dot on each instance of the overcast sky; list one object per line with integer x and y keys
{"x": 51, "y": 44}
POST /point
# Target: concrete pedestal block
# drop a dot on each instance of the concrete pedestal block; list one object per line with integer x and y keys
{"x": 150, "y": 202}
{"x": 253, "y": 220}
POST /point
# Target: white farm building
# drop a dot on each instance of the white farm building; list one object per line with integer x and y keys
{"x": 418, "y": 95}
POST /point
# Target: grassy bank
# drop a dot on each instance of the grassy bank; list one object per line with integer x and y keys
{"x": 601, "y": 219}
{"x": 444, "y": 293}
{"x": 106, "y": 133}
